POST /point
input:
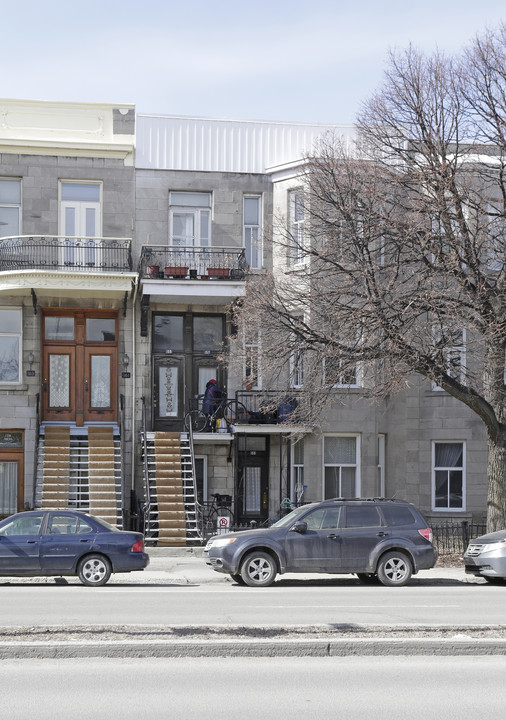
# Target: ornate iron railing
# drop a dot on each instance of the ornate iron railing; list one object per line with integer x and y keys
{"x": 194, "y": 263}
{"x": 268, "y": 407}
{"x": 71, "y": 254}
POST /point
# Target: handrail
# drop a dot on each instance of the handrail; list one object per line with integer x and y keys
{"x": 199, "y": 510}
{"x": 147, "y": 490}
{"x": 37, "y": 444}
{"x": 194, "y": 262}
{"x": 122, "y": 455}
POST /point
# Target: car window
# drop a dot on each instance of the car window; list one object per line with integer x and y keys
{"x": 397, "y": 515}
{"x": 67, "y": 525}
{"x": 323, "y": 518}
{"x": 26, "y": 525}
{"x": 362, "y": 516}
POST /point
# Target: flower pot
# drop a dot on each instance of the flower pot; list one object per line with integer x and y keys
{"x": 218, "y": 272}
{"x": 176, "y": 271}
{"x": 153, "y": 271}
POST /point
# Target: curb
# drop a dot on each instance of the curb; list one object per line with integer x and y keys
{"x": 252, "y": 648}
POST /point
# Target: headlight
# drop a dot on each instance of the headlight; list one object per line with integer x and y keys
{"x": 490, "y": 547}
{"x": 220, "y": 542}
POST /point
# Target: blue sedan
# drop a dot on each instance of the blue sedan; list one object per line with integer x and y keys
{"x": 65, "y": 542}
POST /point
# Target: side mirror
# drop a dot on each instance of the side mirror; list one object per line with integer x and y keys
{"x": 299, "y": 527}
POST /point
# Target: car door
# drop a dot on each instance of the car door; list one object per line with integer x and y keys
{"x": 20, "y": 543}
{"x": 361, "y": 531}
{"x": 65, "y": 539}
{"x": 318, "y": 549}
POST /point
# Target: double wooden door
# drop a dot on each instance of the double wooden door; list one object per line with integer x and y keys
{"x": 79, "y": 364}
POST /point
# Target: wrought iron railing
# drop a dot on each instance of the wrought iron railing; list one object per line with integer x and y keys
{"x": 268, "y": 407}
{"x": 454, "y": 536}
{"x": 72, "y": 254}
{"x": 193, "y": 263}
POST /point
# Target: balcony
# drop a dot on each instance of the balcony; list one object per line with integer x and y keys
{"x": 207, "y": 275}
{"x": 59, "y": 264}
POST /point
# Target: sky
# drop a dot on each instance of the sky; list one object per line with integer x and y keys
{"x": 288, "y": 60}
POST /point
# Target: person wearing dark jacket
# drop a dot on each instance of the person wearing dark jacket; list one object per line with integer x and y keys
{"x": 212, "y": 397}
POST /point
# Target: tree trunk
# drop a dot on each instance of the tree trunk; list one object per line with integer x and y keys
{"x": 496, "y": 505}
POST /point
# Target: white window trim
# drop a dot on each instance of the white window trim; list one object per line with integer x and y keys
{"x": 357, "y": 465}
{"x": 15, "y": 205}
{"x": 296, "y": 467}
{"x": 67, "y": 203}
{"x": 204, "y": 483}
{"x": 342, "y": 385}
{"x": 296, "y": 254}
{"x": 245, "y": 226}
{"x": 381, "y": 464}
{"x": 462, "y": 349}
{"x": 257, "y": 345}
{"x": 297, "y": 369}
{"x": 433, "y": 477}
{"x": 12, "y": 383}
{"x": 194, "y": 210}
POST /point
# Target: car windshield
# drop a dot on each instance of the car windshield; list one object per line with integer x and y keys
{"x": 291, "y": 517}
{"x": 105, "y": 524}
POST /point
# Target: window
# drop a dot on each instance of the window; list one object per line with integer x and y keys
{"x": 10, "y": 344}
{"x": 341, "y": 469}
{"x": 323, "y": 518}
{"x": 25, "y": 525}
{"x": 67, "y": 525}
{"x": 448, "y": 486}
{"x": 397, "y": 515}
{"x": 298, "y": 486}
{"x": 251, "y": 349}
{"x": 190, "y": 219}
{"x": 10, "y": 207}
{"x": 297, "y": 368}
{"x": 338, "y": 375}
{"x": 252, "y": 213}
{"x": 380, "y": 485}
{"x": 453, "y": 346}
{"x": 296, "y": 213}
{"x": 358, "y": 516}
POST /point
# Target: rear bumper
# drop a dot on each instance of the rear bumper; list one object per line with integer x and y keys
{"x": 131, "y": 562}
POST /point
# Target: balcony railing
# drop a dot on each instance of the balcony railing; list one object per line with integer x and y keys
{"x": 268, "y": 407}
{"x": 192, "y": 263}
{"x": 71, "y": 254}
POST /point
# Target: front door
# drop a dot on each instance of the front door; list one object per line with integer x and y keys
{"x": 253, "y": 475}
{"x": 79, "y": 363}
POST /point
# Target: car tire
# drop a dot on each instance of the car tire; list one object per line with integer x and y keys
{"x": 94, "y": 570}
{"x": 258, "y": 569}
{"x": 368, "y": 578}
{"x": 394, "y": 569}
{"x": 237, "y": 578}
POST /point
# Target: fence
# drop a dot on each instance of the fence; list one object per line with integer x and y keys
{"x": 454, "y": 537}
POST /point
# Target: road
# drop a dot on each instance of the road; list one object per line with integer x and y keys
{"x": 352, "y": 688}
{"x": 337, "y": 601}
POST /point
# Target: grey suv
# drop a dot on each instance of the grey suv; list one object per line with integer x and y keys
{"x": 377, "y": 539}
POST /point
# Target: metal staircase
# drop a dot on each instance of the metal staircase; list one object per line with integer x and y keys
{"x": 80, "y": 469}
{"x": 171, "y": 512}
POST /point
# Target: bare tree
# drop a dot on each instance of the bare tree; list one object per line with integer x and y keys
{"x": 403, "y": 248}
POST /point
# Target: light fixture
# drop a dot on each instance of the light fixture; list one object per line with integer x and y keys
{"x": 126, "y": 362}
{"x": 31, "y": 359}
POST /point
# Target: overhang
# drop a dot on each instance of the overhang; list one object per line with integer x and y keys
{"x": 201, "y": 292}
{"x": 66, "y": 284}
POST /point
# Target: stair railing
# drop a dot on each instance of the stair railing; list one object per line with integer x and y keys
{"x": 36, "y": 454}
{"x": 199, "y": 509}
{"x": 147, "y": 489}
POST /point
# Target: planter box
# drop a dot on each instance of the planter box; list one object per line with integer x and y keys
{"x": 174, "y": 271}
{"x": 153, "y": 271}
{"x": 218, "y": 272}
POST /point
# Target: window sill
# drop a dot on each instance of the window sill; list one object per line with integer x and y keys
{"x": 16, "y": 387}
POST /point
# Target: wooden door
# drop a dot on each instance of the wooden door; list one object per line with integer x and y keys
{"x": 99, "y": 384}
{"x": 59, "y": 383}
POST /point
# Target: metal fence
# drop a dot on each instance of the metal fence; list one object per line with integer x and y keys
{"x": 454, "y": 537}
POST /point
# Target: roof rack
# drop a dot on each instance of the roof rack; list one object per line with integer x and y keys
{"x": 371, "y": 499}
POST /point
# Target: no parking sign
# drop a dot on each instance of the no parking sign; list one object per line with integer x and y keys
{"x": 223, "y": 524}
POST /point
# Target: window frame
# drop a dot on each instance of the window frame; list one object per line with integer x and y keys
{"x": 296, "y": 252}
{"x": 435, "y": 468}
{"x": 197, "y": 212}
{"x": 14, "y": 205}
{"x": 356, "y": 465}
{"x": 251, "y": 228}
{"x": 341, "y": 384}
{"x": 248, "y": 346}
{"x": 297, "y": 474}
{"x": 450, "y": 351}
{"x": 20, "y": 344}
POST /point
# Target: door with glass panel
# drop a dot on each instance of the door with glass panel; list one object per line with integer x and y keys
{"x": 79, "y": 380}
{"x": 80, "y": 222}
{"x": 11, "y": 484}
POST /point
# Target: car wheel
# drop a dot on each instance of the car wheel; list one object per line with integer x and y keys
{"x": 368, "y": 578}
{"x": 238, "y": 579}
{"x": 258, "y": 569}
{"x": 394, "y": 569}
{"x": 94, "y": 570}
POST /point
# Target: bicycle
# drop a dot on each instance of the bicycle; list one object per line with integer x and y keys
{"x": 220, "y": 507}
{"x": 232, "y": 411}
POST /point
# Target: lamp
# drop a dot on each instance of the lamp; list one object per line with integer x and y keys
{"x": 31, "y": 359}
{"x": 126, "y": 363}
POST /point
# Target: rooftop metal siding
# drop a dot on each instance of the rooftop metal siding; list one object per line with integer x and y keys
{"x": 178, "y": 143}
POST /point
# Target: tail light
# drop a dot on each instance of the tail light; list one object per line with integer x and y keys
{"x": 426, "y": 533}
{"x": 138, "y": 546}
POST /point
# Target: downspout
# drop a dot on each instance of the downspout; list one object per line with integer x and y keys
{"x": 134, "y": 368}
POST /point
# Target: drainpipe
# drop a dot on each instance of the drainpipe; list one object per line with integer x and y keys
{"x": 134, "y": 366}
